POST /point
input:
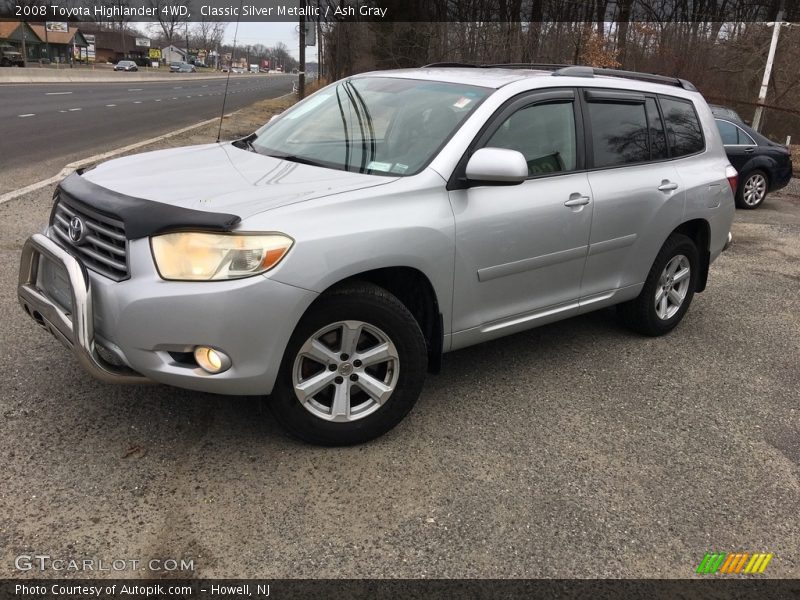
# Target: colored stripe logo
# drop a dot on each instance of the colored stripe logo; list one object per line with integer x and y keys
{"x": 735, "y": 563}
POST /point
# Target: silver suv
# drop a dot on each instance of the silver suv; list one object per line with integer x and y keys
{"x": 330, "y": 258}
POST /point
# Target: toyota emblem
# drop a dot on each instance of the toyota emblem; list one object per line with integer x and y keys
{"x": 77, "y": 230}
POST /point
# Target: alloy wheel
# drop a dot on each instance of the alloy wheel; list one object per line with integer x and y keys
{"x": 755, "y": 188}
{"x": 345, "y": 371}
{"x": 673, "y": 286}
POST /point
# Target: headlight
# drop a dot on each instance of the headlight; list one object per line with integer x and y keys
{"x": 199, "y": 256}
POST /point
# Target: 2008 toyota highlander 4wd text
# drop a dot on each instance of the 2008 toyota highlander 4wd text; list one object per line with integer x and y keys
{"x": 331, "y": 257}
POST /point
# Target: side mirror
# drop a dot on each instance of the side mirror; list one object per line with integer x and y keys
{"x": 497, "y": 166}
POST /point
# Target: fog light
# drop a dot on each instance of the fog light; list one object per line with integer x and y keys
{"x": 212, "y": 360}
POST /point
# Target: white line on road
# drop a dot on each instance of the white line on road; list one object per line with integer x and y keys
{"x": 27, "y": 115}
{"x": 56, "y": 93}
{"x": 74, "y": 109}
{"x": 110, "y": 105}
{"x": 137, "y": 101}
{"x": 135, "y": 90}
{"x": 158, "y": 99}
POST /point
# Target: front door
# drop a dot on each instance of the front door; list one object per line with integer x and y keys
{"x": 520, "y": 250}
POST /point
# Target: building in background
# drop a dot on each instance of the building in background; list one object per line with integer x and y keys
{"x": 172, "y": 54}
{"x": 60, "y": 42}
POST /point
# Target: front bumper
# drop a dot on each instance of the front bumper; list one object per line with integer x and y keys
{"x": 75, "y": 329}
{"x": 149, "y": 326}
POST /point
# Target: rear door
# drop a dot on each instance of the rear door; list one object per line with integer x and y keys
{"x": 739, "y": 146}
{"x": 638, "y": 193}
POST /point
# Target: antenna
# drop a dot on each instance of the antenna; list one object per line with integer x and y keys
{"x": 230, "y": 68}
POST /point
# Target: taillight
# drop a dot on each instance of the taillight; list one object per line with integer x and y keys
{"x": 733, "y": 177}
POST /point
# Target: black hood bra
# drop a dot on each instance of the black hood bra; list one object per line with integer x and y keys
{"x": 142, "y": 218}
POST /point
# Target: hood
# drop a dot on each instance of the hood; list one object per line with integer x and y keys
{"x": 223, "y": 178}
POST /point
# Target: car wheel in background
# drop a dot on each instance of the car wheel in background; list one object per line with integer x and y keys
{"x": 353, "y": 368}
{"x": 668, "y": 289}
{"x": 753, "y": 190}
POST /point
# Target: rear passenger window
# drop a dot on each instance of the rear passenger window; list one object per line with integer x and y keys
{"x": 658, "y": 139}
{"x": 544, "y": 134}
{"x": 683, "y": 128}
{"x": 619, "y": 133}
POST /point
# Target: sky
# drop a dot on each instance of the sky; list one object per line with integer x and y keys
{"x": 267, "y": 34}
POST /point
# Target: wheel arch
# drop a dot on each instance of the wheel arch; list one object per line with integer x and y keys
{"x": 414, "y": 289}
{"x": 699, "y": 231}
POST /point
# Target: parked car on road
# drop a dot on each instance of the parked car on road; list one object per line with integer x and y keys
{"x": 764, "y": 166}
{"x": 182, "y": 67}
{"x": 126, "y": 65}
{"x": 330, "y": 258}
{"x": 10, "y": 56}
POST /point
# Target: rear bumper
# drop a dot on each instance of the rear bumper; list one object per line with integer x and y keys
{"x": 728, "y": 242}
{"x": 76, "y": 329}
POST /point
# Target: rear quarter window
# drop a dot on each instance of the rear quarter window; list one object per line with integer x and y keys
{"x": 684, "y": 134}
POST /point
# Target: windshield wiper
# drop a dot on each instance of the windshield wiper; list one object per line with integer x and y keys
{"x": 298, "y": 159}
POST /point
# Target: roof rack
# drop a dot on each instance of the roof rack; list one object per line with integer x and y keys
{"x": 575, "y": 71}
{"x": 579, "y": 71}
{"x": 536, "y": 66}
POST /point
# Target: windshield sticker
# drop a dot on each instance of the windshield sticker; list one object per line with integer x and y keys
{"x": 462, "y": 102}
{"x": 399, "y": 168}
{"x": 379, "y": 166}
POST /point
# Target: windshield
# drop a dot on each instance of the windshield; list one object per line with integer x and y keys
{"x": 376, "y": 125}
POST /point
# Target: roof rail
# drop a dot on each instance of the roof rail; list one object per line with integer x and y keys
{"x": 537, "y": 66}
{"x": 580, "y": 71}
{"x": 451, "y": 64}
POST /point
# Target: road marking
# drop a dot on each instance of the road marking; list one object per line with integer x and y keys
{"x": 74, "y": 109}
{"x": 158, "y": 99}
{"x": 56, "y": 93}
{"x": 178, "y": 87}
{"x": 137, "y": 101}
{"x": 135, "y": 90}
{"x": 205, "y": 86}
{"x": 109, "y": 105}
{"x": 27, "y": 115}
{"x": 175, "y": 98}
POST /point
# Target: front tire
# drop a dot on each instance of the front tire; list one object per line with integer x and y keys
{"x": 753, "y": 190}
{"x": 668, "y": 289}
{"x": 353, "y": 368}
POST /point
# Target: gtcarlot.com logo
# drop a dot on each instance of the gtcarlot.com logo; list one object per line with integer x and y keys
{"x": 46, "y": 562}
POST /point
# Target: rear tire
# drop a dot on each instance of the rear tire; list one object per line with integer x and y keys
{"x": 668, "y": 289}
{"x": 353, "y": 368}
{"x": 753, "y": 190}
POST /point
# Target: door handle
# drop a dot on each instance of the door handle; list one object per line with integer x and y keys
{"x": 577, "y": 200}
{"x": 667, "y": 186}
{"x": 750, "y": 150}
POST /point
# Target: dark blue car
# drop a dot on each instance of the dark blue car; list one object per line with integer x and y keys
{"x": 764, "y": 166}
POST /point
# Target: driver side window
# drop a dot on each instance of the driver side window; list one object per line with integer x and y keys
{"x": 544, "y": 134}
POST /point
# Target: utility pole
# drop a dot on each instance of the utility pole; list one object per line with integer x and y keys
{"x": 24, "y": 48}
{"x": 762, "y": 94}
{"x": 301, "y": 71}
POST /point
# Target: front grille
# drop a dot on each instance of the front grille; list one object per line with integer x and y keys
{"x": 103, "y": 249}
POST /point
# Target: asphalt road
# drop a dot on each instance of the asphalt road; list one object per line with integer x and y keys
{"x": 574, "y": 450}
{"x": 46, "y": 126}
